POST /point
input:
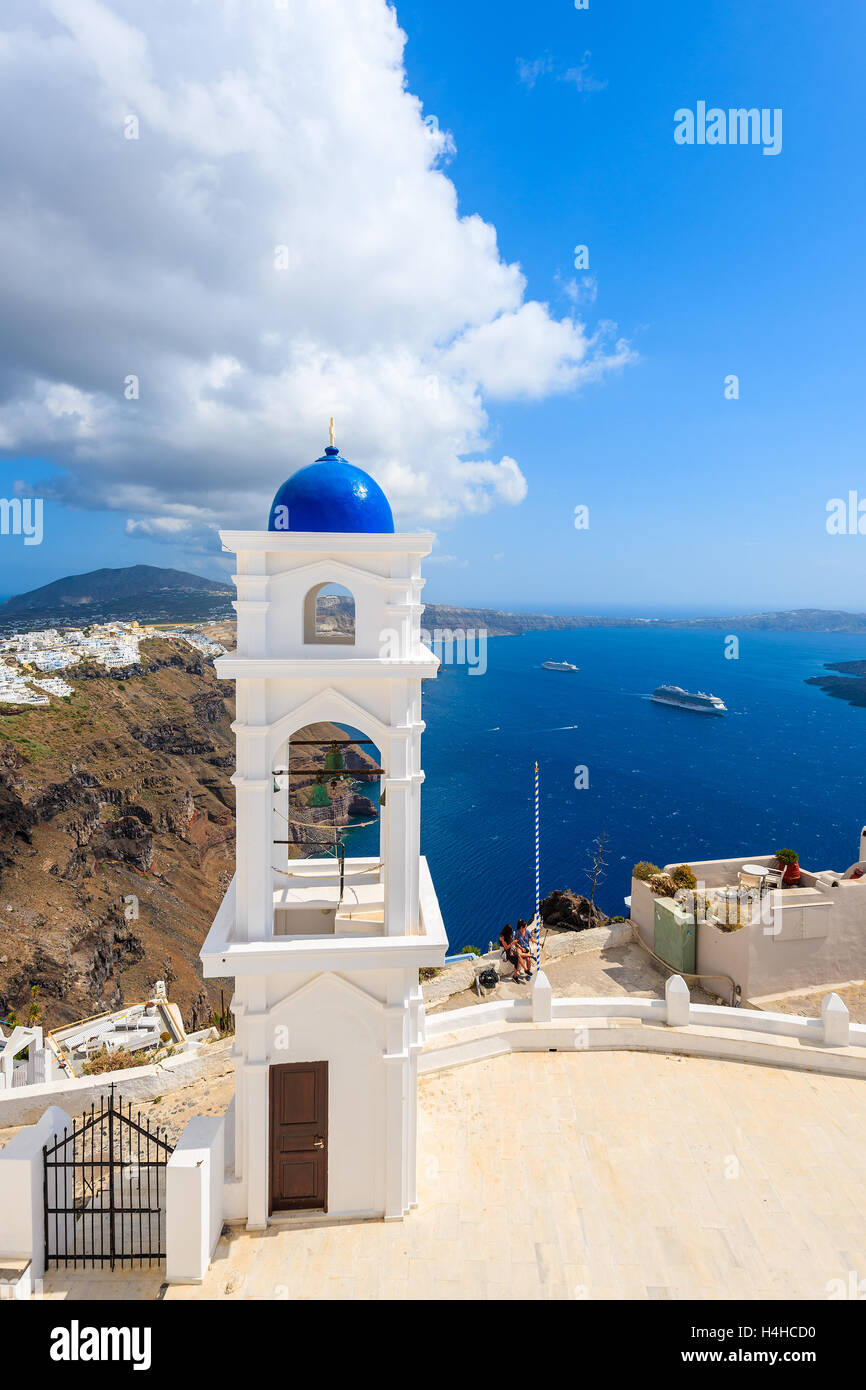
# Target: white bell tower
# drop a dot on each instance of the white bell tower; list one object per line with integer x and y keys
{"x": 325, "y": 959}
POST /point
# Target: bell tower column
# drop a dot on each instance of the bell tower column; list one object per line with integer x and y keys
{"x": 254, "y": 815}
{"x": 328, "y": 1012}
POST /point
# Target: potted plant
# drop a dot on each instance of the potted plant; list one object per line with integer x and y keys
{"x": 787, "y": 860}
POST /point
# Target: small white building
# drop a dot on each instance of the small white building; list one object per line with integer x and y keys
{"x": 764, "y": 939}
{"x": 328, "y": 1009}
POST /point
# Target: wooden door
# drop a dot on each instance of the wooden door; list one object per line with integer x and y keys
{"x": 299, "y": 1136}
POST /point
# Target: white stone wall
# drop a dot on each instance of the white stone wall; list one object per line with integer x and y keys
{"x": 24, "y": 1105}
{"x": 22, "y": 1230}
{"x": 830, "y": 1044}
{"x": 194, "y": 1199}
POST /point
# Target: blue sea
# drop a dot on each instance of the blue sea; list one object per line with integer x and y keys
{"x": 781, "y": 768}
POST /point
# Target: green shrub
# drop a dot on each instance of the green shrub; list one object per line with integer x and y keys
{"x": 644, "y": 870}
{"x": 470, "y": 951}
{"x": 683, "y": 877}
{"x": 787, "y": 856}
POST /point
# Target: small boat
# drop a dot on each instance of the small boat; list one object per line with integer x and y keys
{"x": 559, "y": 666}
{"x": 700, "y": 702}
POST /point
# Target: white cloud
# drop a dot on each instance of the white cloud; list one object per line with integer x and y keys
{"x": 584, "y": 290}
{"x": 582, "y": 78}
{"x": 449, "y": 561}
{"x": 266, "y": 138}
{"x": 162, "y": 527}
{"x": 528, "y": 72}
{"x": 529, "y": 354}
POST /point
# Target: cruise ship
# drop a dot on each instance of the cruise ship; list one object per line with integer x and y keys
{"x": 684, "y": 699}
{"x": 559, "y": 666}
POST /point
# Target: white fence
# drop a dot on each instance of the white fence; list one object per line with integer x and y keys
{"x": 193, "y": 1187}
{"x": 831, "y": 1043}
{"x": 25, "y": 1103}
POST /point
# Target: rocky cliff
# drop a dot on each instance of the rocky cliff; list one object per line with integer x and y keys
{"x": 117, "y": 832}
{"x": 116, "y": 835}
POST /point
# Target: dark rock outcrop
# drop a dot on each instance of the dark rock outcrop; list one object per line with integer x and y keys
{"x": 128, "y": 840}
{"x": 563, "y": 908}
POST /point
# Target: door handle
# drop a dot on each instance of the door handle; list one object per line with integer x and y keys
{"x": 318, "y": 1143}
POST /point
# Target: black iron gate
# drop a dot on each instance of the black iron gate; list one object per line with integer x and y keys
{"x": 104, "y": 1189}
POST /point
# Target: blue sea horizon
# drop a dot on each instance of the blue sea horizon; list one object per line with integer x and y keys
{"x": 664, "y": 784}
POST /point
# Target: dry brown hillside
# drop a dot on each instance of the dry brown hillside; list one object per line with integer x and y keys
{"x": 117, "y": 833}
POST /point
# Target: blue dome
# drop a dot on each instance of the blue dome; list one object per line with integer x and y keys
{"x": 331, "y": 495}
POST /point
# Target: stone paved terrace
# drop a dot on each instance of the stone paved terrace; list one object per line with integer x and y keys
{"x": 576, "y": 964}
{"x": 586, "y": 1175}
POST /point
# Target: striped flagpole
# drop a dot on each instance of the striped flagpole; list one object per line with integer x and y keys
{"x": 537, "y": 882}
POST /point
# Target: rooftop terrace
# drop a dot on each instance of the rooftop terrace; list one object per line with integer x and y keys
{"x": 585, "y": 1175}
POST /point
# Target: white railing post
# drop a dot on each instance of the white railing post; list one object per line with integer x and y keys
{"x": 22, "y": 1221}
{"x": 678, "y": 1001}
{"x": 835, "y": 1020}
{"x": 541, "y": 998}
{"x": 194, "y": 1180}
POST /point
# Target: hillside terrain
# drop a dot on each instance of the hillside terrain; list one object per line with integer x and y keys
{"x": 117, "y": 833}
{"x": 146, "y": 592}
{"x": 150, "y": 593}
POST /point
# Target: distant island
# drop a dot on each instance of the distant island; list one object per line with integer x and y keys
{"x": 850, "y": 686}
{"x": 152, "y": 594}
{"x": 499, "y": 623}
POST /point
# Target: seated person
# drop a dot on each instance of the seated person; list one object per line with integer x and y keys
{"x": 523, "y": 940}
{"x": 506, "y": 941}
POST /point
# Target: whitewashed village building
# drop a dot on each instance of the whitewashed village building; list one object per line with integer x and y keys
{"x": 326, "y": 1000}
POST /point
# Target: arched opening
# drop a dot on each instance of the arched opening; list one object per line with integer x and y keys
{"x": 327, "y": 810}
{"x": 329, "y": 616}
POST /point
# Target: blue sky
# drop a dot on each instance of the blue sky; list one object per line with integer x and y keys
{"x": 709, "y": 260}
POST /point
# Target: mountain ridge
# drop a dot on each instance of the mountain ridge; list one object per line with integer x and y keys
{"x": 155, "y": 593}
{"x": 131, "y": 591}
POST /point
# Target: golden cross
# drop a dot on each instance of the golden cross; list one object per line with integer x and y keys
{"x": 332, "y": 433}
